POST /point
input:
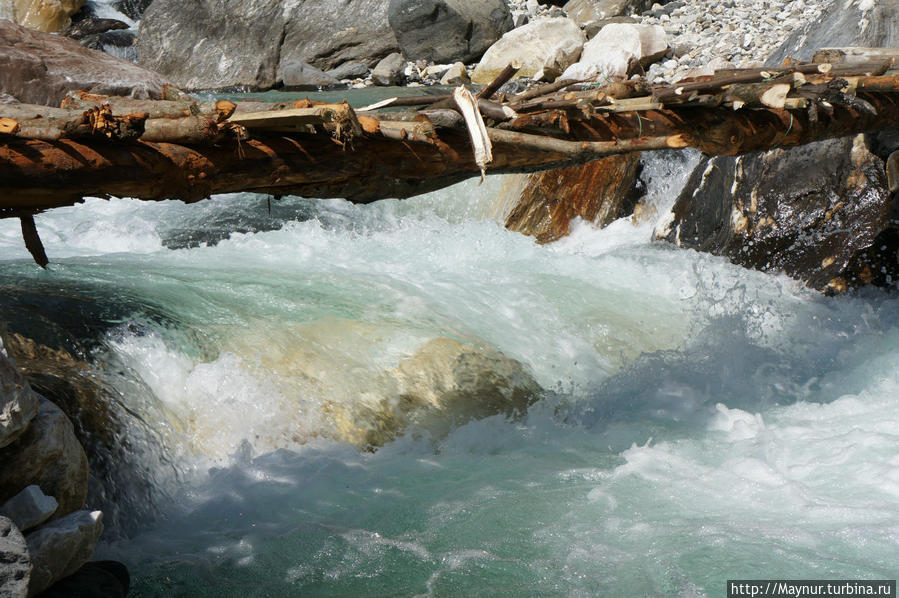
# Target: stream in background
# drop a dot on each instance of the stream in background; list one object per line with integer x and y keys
{"x": 697, "y": 421}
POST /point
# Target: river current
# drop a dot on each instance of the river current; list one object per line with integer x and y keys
{"x": 697, "y": 422}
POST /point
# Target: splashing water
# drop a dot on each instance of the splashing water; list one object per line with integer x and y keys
{"x": 698, "y": 422}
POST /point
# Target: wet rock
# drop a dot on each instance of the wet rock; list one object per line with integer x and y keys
{"x": 58, "y": 549}
{"x": 448, "y": 30}
{"x": 544, "y": 48}
{"x": 29, "y": 508}
{"x": 821, "y": 213}
{"x": 598, "y": 192}
{"x": 49, "y": 455}
{"x": 45, "y": 15}
{"x": 208, "y": 44}
{"x": 390, "y": 70}
{"x": 97, "y": 579}
{"x": 455, "y": 75}
{"x": 15, "y": 562}
{"x": 299, "y": 75}
{"x": 133, "y": 9}
{"x": 443, "y": 385}
{"x": 616, "y": 49}
{"x": 40, "y": 68}
{"x": 18, "y": 403}
{"x": 93, "y": 26}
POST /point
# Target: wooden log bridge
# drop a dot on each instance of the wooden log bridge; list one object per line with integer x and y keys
{"x": 153, "y": 150}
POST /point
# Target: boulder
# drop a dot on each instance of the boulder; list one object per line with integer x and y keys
{"x": 209, "y": 44}
{"x": 456, "y": 75}
{"x": 45, "y": 15}
{"x": 299, "y": 75}
{"x": 443, "y": 385}
{"x": 47, "y": 454}
{"x": 40, "y": 68}
{"x": 93, "y": 26}
{"x": 350, "y": 70}
{"x": 448, "y": 30}
{"x": 29, "y": 508}
{"x": 390, "y": 70}
{"x": 587, "y": 12}
{"x": 96, "y": 579}
{"x": 617, "y": 50}
{"x": 544, "y": 48}
{"x": 18, "y": 403}
{"x": 821, "y": 213}
{"x": 58, "y": 549}
{"x": 15, "y": 562}
{"x": 598, "y": 192}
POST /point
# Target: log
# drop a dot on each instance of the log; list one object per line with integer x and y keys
{"x": 501, "y": 79}
{"x": 33, "y": 241}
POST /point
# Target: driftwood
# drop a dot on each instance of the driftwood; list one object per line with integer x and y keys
{"x": 99, "y": 146}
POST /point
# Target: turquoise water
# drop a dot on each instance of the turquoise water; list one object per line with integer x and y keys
{"x": 697, "y": 422}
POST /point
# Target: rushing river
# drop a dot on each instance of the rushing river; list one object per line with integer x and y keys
{"x": 697, "y": 421}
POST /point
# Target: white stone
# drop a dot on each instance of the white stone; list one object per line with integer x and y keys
{"x": 550, "y": 45}
{"x": 616, "y": 44}
{"x": 29, "y": 508}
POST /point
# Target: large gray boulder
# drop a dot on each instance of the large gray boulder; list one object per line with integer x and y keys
{"x": 47, "y": 454}
{"x": 15, "y": 563}
{"x": 40, "y": 68}
{"x": 445, "y": 31}
{"x": 29, "y": 508}
{"x": 209, "y": 44}
{"x": 587, "y": 12}
{"x": 18, "y": 403}
{"x": 61, "y": 547}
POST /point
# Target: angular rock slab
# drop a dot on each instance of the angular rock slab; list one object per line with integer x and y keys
{"x": 40, "y": 68}
{"x": 616, "y": 47}
{"x": 821, "y": 213}
{"x": 542, "y": 47}
{"x": 58, "y": 549}
{"x": 15, "y": 562}
{"x": 49, "y": 455}
{"x": 29, "y": 508}
{"x": 18, "y": 403}
{"x": 444, "y": 31}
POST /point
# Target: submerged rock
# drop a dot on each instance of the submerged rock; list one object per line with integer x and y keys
{"x": 40, "y": 68}
{"x": 207, "y": 44}
{"x": 58, "y": 549}
{"x": 15, "y": 562}
{"x": 544, "y": 48}
{"x": 47, "y": 454}
{"x": 599, "y": 192}
{"x": 821, "y": 213}
{"x": 443, "y": 385}
{"x": 448, "y": 30}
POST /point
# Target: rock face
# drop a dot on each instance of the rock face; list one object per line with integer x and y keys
{"x": 207, "y": 44}
{"x": 15, "y": 563}
{"x": 47, "y": 454}
{"x": 444, "y": 31}
{"x": 42, "y": 15}
{"x": 543, "y": 48}
{"x": 599, "y": 192}
{"x": 40, "y": 68}
{"x": 18, "y": 404}
{"x": 821, "y": 213}
{"x": 444, "y": 384}
{"x": 60, "y": 548}
{"x": 617, "y": 48}
{"x": 29, "y": 508}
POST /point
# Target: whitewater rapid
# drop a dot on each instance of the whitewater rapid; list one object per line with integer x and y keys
{"x": 697, "y": 422}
